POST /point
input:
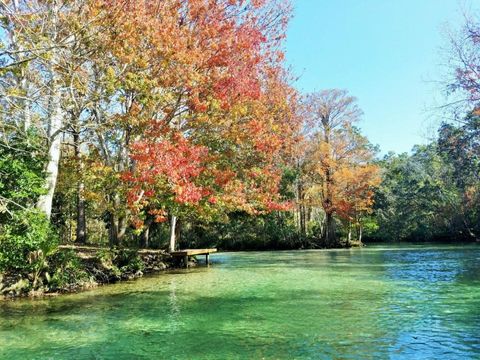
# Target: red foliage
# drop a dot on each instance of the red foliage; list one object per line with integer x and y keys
{"x": 170, "y": 162}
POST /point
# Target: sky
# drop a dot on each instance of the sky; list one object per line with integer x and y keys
{"x": 387, "y": 53}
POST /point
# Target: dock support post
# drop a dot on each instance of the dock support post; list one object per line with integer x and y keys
{"x": 206, "y": 259}
{"x": 185, "y": 259}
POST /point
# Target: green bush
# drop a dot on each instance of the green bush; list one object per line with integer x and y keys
{"x": 128, "y": 260}
{"x": 65, "y": 269}
{"x": 25, "y": 242}
{"x": 122, "y": 259}
{"x": 22, "y": 172}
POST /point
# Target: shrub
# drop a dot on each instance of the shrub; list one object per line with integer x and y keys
{"x": 122, "y": 259}
{"x": 128, "y": 260}
{"x": 65, "y": 269}
{"x": 25, "y": 242}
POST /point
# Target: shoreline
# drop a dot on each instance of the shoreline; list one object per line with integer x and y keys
{"x": 94, "y": 267}
{"x": 102, "y": 270}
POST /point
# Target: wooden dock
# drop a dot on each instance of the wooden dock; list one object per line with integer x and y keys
{"x": 185, "y": 253}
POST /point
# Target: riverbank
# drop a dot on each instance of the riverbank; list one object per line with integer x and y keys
{"x": 75, "y": 268}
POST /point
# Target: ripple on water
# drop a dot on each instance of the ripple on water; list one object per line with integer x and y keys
{"x": 374, "y": 303}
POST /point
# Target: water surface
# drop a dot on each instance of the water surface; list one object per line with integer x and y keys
{"x": 407, "y": 302}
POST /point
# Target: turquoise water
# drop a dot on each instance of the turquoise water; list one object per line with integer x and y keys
{"x": 409, "y": 302}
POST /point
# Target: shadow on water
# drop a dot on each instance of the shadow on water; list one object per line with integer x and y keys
{"x": 345, "y": 304}
{"x": 251, "y": 324}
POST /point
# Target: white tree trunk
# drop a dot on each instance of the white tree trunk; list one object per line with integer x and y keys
{"x": 55, "y": 122}
{"x": 45, "y": 201}
{"x": 173, "y": 223}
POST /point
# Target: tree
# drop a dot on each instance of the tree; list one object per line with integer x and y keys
{"x": 45, "y": 49}
{"x": 464, "y": 63}
{"x": 225, "y": 120}
{"x": 334, "y": 144}
{"x": 459, "y": 146}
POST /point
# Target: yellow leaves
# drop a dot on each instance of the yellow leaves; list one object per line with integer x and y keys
{"x": 240, "y": 110}
{"x": 354, "y": 186}
{"x": 339, "y": 171}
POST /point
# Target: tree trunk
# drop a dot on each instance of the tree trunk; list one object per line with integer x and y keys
{"x": 27, "y": 114}
{"x": 173, "y": 223}
{"x": 24, "y": 82}
{"x": 118, "y": 223}
{"x": 349, "y": 238}
{"x": 145, "y": 235}
{"x": 303, "y": 227}
{"x": 55, "y": 124}
{"x": 81, "y": 233}
{"x": 330, "y": 239}
{"x": 301, "y": 209}
{"x": 113, "y": 230}
{"x": 45, "y": 201}
{"x": 122, "y": 228}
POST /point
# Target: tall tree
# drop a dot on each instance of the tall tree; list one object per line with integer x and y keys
{"x": 331, "y": 114}
{"x": 186, "y": 70}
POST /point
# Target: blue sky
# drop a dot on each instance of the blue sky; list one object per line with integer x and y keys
{"x": 387, "y": 53}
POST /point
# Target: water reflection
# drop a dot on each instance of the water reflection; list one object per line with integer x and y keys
{"x": 373, "y": 303}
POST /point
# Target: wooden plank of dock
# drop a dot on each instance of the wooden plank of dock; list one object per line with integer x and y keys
{"x": 185, "y": 253}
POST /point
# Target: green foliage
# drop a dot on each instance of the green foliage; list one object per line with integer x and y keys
{"x": 128, "y": 260}
{"x": 121, "y": 260}
{"x": 433, "y": 194}
{"x": 405, "y": 206}
{"x": 22, "y": 174}
{"x": 65, "y": 269}
{"x": 245, "y": 232}
{"x": 26, "y": 241}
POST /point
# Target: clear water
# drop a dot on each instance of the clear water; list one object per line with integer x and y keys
{"x": 410, "y": 302}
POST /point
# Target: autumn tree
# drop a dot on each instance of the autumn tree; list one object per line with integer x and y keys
{"x": 463, "y": 61}
{"x": 330, "y": 111}
{"x": 336, "y": 154}
{"x": 355, "y": 180}
{"x": 224, "y": 112}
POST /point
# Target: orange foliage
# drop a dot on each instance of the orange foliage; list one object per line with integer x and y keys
{"x": 211, "y": 96}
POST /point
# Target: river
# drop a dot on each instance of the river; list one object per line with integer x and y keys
{"x": 400, "y": 302}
